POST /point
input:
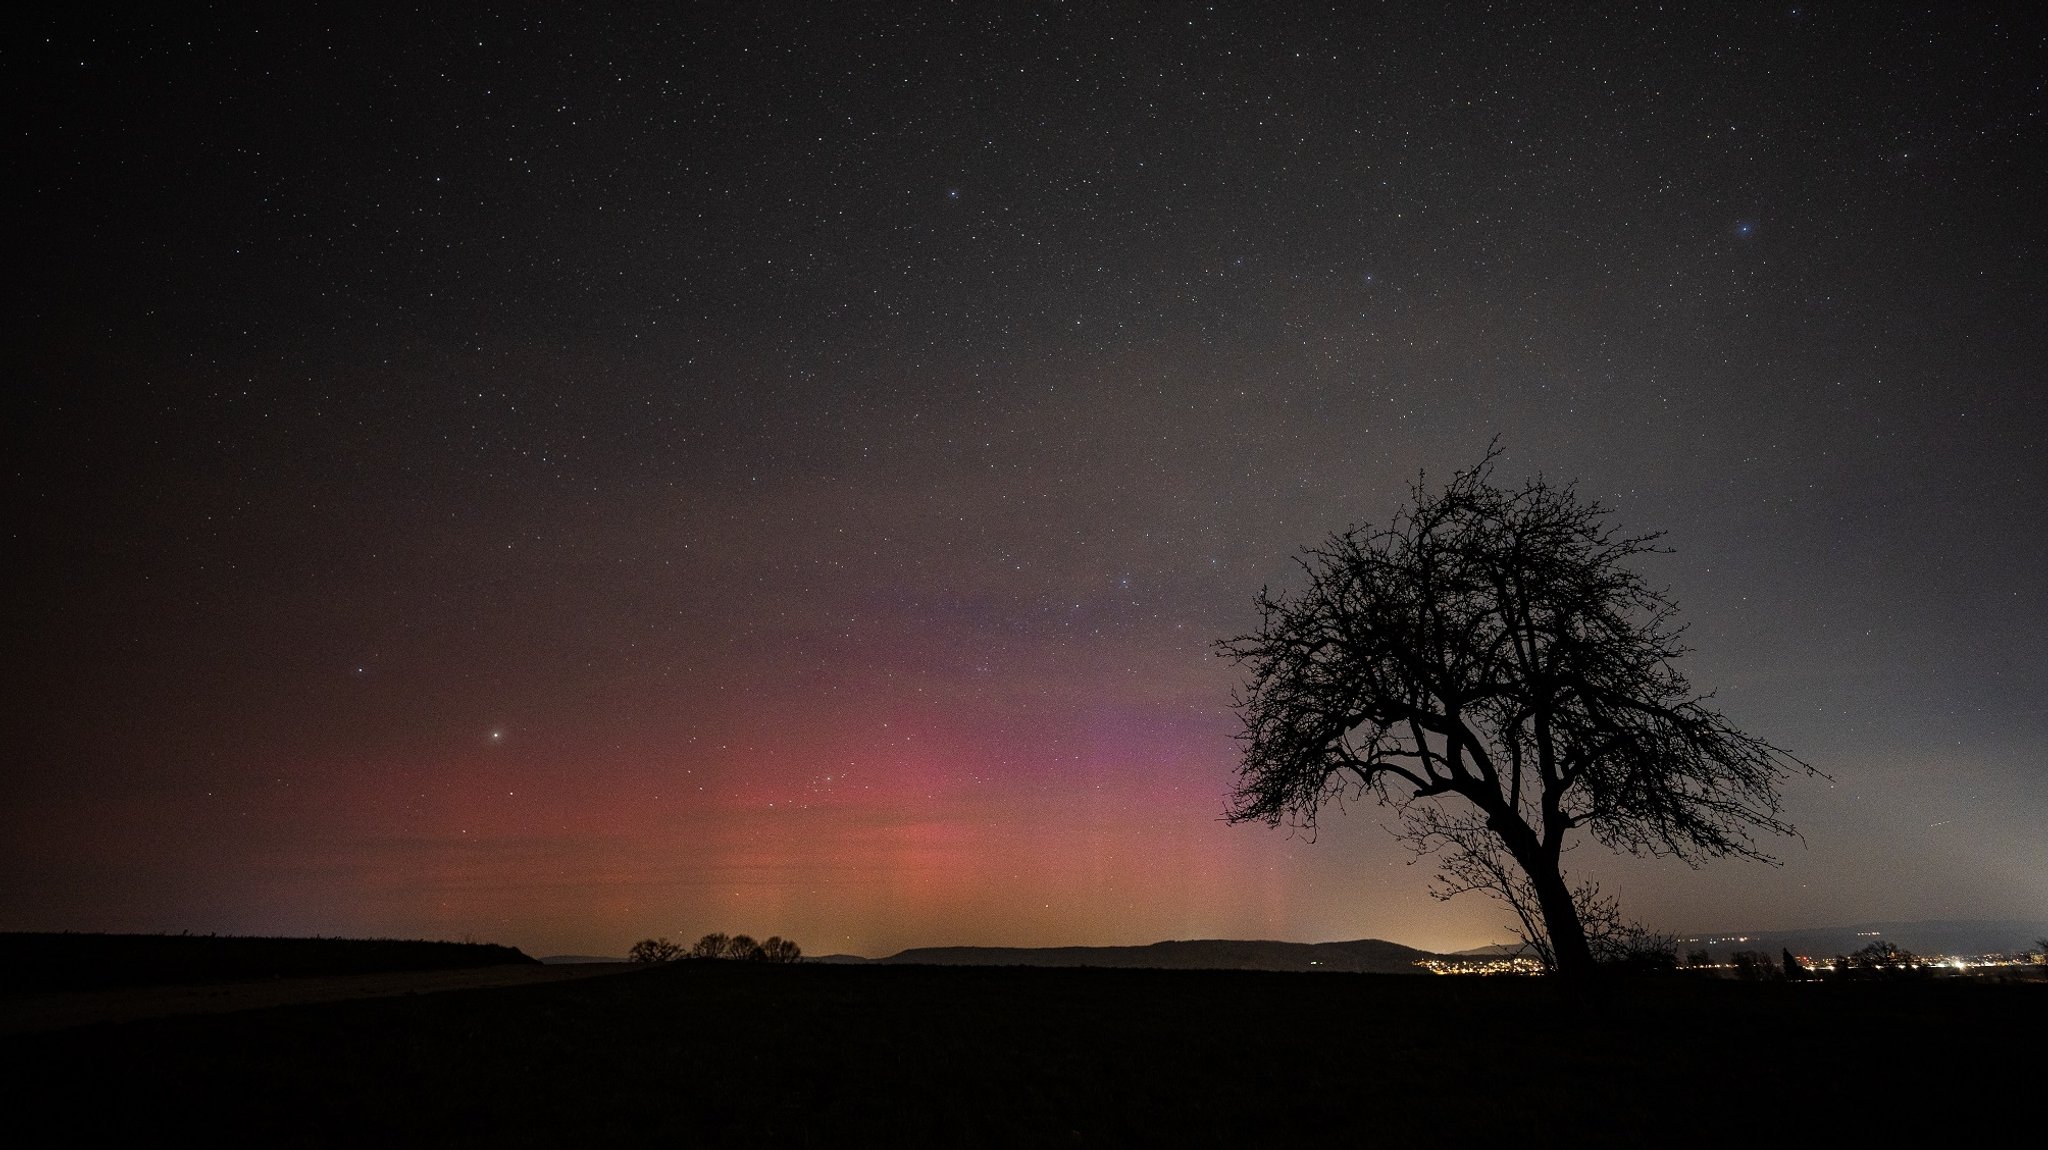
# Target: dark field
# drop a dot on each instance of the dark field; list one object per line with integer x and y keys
{"x": 738, "y": 1054}
{"x": 38, "y": 963}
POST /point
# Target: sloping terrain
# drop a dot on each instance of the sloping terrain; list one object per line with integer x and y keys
{"x": 62, "y": 1010}
{"x": 1364, "y": 956}
{"x": 38, "y": 963}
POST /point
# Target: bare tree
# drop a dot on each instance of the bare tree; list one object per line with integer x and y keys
{"x": 710, "y": 946}
{"x": 743, "y": 948}
{"x": 1493, "y": 668}
{"x": 651, "y": 950}
{"x": 1883, "y": 957}
{"x": 781, "y": 950}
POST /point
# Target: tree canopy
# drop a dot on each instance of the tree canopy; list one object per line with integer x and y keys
{"x": 743, "y": 948}
{"x": 654, "y": 950}
{"x": 1493, "y": 666}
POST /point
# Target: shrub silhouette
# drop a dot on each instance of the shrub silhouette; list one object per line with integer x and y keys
{"x": 1620, "y": 944}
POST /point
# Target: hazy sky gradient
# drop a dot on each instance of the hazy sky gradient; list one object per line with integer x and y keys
{"x": 563, "y": 479}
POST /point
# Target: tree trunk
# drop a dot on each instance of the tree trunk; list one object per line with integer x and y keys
{"x": 1568, "y": 946}
{"x": 1569, "y": 949}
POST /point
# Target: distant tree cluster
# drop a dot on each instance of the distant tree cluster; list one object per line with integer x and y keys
{"x": 649, "y": 950}
{"x": 1758, "y": 966}
{"x": 732, "y": 947}
{"x": 1879, "y": 958}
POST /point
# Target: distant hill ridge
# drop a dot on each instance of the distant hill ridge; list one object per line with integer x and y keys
{"x": 1365, "y": 955}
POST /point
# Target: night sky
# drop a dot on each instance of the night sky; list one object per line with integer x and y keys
{"x": 562, "y": 478}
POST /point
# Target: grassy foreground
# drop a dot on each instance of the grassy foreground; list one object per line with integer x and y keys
{"x": 735, "y": 1054}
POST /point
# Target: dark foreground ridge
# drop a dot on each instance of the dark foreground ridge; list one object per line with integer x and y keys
{"x": 1363, "y": 956}
{"x": 38, "y": 963}
{"x": 718, "y": 1054}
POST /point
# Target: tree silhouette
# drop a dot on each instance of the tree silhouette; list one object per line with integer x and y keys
{"x": 742, "y": 948}
{"x": 1492, "y": 667}
{"x": 1756, "y": 966}
{"x": 1883, "y": 957}
{"x": 651, "y": 950}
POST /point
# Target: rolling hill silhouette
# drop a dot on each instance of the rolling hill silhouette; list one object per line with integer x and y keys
{"x": 1367, "y": 955}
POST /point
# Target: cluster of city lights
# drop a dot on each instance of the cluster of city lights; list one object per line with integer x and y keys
{"x": 1523, "y": 964}
{"x": 1501, "y": 964}
{"x": 1936, "y": 962}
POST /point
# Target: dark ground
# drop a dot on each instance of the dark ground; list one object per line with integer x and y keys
{"x": 40, "y": 963}
{"x": 696, "y": 1054}
{"x": 65, "y": 1010}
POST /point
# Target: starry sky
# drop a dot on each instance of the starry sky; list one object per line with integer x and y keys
{"x": 559, "y": 477}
